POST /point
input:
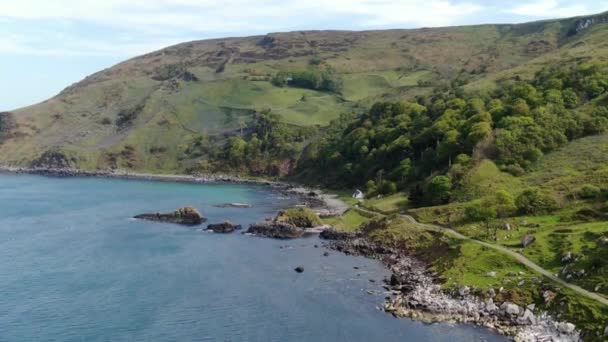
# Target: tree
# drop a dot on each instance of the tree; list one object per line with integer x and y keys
{"x": 439, "y": 190}
{"x": 534, "y": 202}
{"x": 504, "y": 203}
{"x": 236, "y": 150}
{"x": 481, "y": 211}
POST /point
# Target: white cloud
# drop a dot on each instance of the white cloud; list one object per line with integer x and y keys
{"x": 137, "y": 26}
{"x": 206, "y": 15}
{"x": 551, "y": 9}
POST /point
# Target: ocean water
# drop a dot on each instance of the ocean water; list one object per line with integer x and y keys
{"x": 74, "y": 266}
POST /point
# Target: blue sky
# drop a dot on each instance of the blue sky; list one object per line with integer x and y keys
{"x": 46, "y": 45}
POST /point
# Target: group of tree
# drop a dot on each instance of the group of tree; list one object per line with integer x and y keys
{"x": 424, "y": 146}
{"x": 263, "y": 147}
{"x": 316, "y": 77}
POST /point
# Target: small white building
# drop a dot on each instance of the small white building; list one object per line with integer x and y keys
{"x": 358, "y": 194}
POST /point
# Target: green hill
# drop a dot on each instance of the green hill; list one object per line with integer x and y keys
{"x": 147, "y": 113}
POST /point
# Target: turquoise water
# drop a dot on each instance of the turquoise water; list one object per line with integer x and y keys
{"x": 75, "y": 267}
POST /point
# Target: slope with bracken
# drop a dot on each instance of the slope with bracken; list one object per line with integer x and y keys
{"x": 145, "y": 113}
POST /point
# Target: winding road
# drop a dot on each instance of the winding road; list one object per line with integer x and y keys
{"x": 529, "y": 263}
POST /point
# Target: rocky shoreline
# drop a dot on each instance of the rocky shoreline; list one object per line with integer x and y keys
{"x": 414, "y": 292}
{"x": 323, "y": 204}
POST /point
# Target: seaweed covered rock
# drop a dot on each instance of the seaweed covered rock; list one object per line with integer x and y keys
{"x": 186, "y": 215}
{"x": 276, "y": 230}
{"x": 299, "y": 217}
{"x": 224, "y": 227}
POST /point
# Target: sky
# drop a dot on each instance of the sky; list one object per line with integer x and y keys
{"x": 46, "y": 45}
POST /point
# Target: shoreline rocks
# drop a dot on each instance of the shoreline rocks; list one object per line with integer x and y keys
{"x": 185, "y": 216}
{"x": 416, "y": 293}
{"x": 225, "y": 227}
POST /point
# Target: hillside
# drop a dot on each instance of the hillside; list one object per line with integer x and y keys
{"x": 151, "y": 112}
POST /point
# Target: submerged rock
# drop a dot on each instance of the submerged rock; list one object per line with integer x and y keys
{"x": 299, "y": 269}
{"x": 277, "y": 230}
{"x": 224, "y": 227}
{"x": 233, "y": 205}
{"x": 185, "y": 215}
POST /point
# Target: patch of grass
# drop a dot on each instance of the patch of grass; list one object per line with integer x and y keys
{"x": 350, "y": 221}
{"x": 485, "y": 179}
{"x": 299, "y": 217}
{"x": 445, "y": 215}
{"x": 388, "y": 204}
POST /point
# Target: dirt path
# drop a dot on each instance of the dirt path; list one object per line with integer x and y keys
{"x": 529, "y": 263}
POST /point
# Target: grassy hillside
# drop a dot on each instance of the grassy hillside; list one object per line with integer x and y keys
{"x": 144, "y": 113}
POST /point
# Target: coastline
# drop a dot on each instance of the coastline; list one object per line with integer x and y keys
{"x": 414, "y": 292}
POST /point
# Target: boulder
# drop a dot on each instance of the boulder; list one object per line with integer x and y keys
{"x": 510, "y": 308}
{"x": 464, "y": 291}
{"x": 567, "y": 257}
{"x": 490, "y": 306}
{"x": 276, "y": 230}
{"x": 299, "y": 269}
{"x": 527, "y": 239}
{"x": 528, "y": 317}
{"x": 606, "y": 331}
{"x": 491, "y": 274}
{"x": 566, "y": 328}
{"x": 224, "y": 227}
{"x": 186, "y": 216}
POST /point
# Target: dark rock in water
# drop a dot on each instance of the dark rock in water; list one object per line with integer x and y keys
{"x": 332, "y": 234}
{"x": 233, "y": 205}
{"x": 186, "y": 215}
{"x": 224, "y": 227}
{"x": 299, "y": 269}
{"x": 326, "y": 254}
{"x": 276, "y": 230}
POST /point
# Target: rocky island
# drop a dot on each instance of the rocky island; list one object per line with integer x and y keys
{"x": 185, "y": 216}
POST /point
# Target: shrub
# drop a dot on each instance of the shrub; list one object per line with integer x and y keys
{"x": 439, "y": 190}
{"x": 589, "y": 191}
{"x": 535, "y": 202}
{"x": 479, "y": 211}
{"x": 388, "y": 188}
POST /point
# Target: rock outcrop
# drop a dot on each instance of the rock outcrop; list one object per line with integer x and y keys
{"x": 333, "y": 234}
{"x": 527, "y": 239}
{"x": 186, "y": 216}
{"x": 224, "y": 227}
{"x": 276, "y": 230}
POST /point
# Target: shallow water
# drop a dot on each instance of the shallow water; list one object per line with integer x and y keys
{"x": 75, "y": 267}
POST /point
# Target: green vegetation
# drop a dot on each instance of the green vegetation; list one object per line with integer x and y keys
{"x": 317, "y": 78}
{"x": 299, "y": 217}
{"x": 388, "y": 204}
{"x": 350, "y": 221}
{"x": 500, "y": 138}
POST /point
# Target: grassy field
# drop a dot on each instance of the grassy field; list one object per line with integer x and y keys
{"x": 349, "y": 221}
{"x": 387, "y": 204}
